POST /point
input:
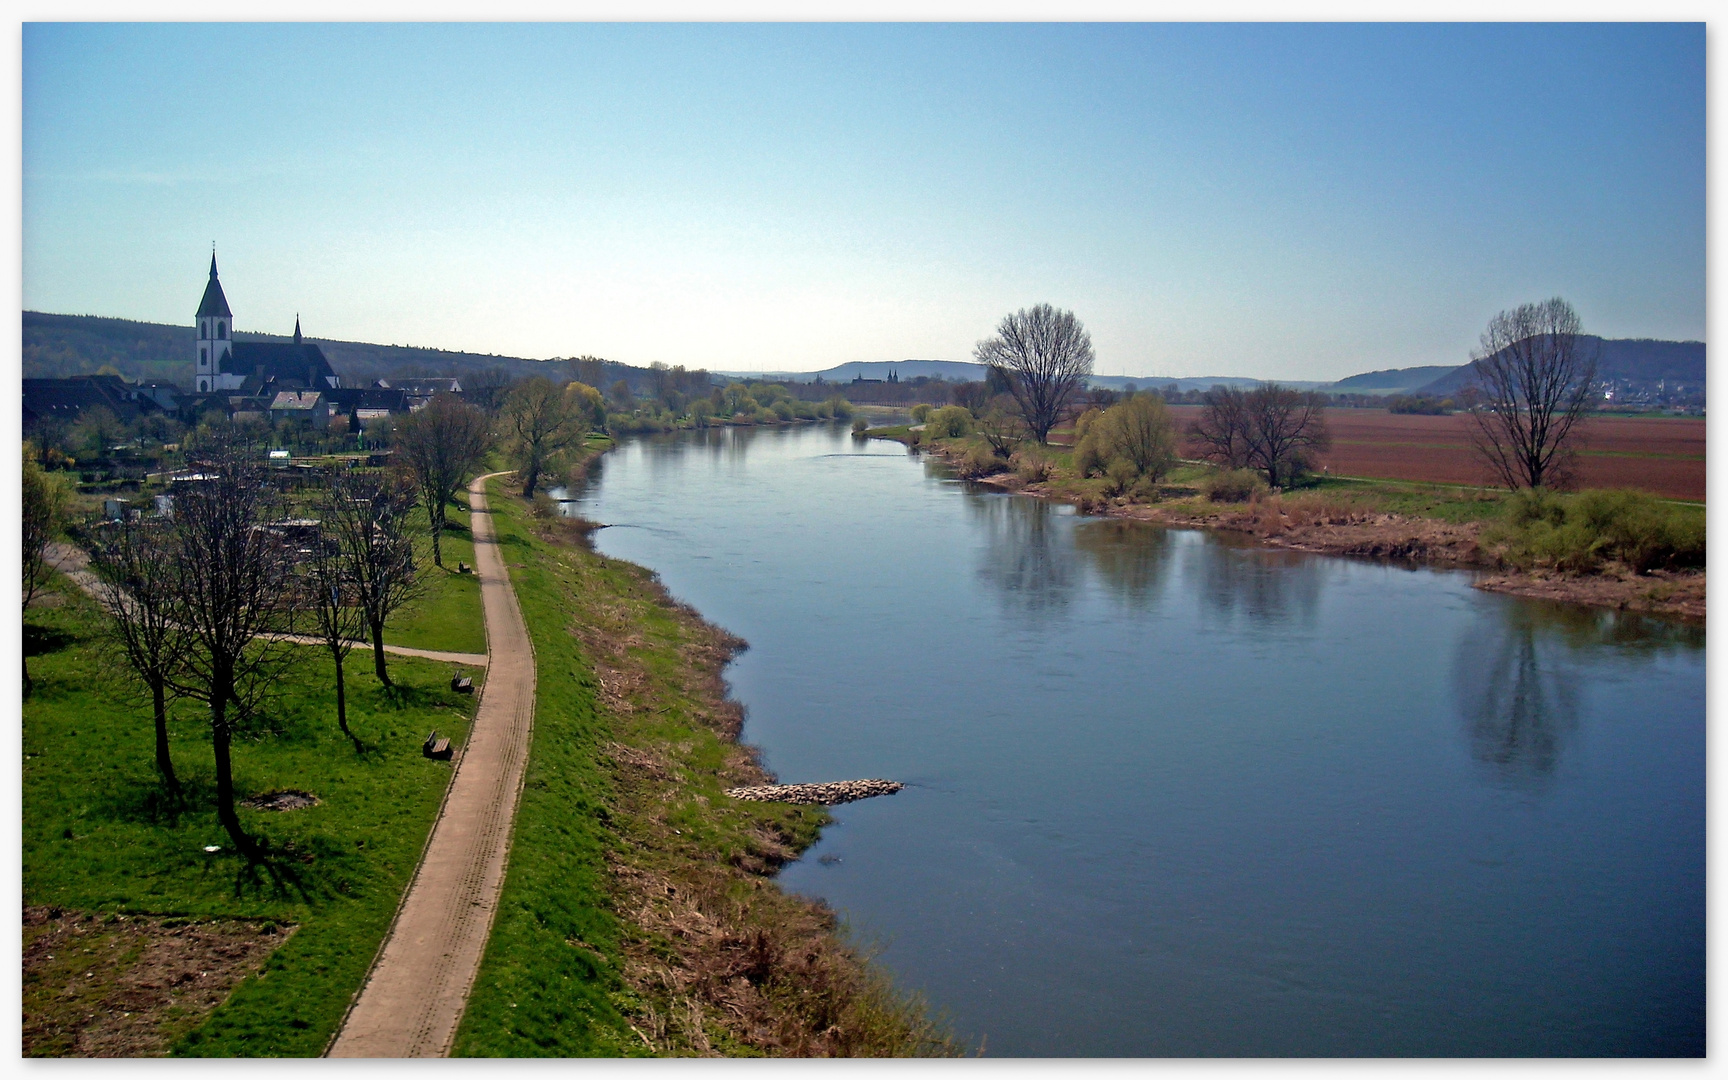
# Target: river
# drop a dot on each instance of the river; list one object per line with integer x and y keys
{"x": 1169, "y": 794}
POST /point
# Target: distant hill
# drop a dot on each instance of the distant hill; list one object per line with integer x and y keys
{"x": 1638, "y": 364}
{"x": 56, "y": 346}
{"x": 1392, "y": 380}
{"x": 952, "y": 370}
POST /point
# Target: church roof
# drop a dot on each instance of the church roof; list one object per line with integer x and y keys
{"x": 279, "y": 361}
{"x": 214, "y": 303}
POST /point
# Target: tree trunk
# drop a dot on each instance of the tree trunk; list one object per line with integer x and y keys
{"x": 220, "y": 737}
{"x": 378, "y": 652}
{"x": 164, "y": 763}
{"x": 27, "y": 683}
{"x": 437, "y": 535}
{"x": 342, "y": 702}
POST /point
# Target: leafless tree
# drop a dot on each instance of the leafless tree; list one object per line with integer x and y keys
{"x": 336, "y": 615}
{"x": 1223, "y": 432}
{"x": 543, "y": 420}
{"x": 1044, "y": 355}
{"x": 1272, "y": 428}
{"x": 234, "y": 593}
{"x": 43, "y": 510}
{"x": 136, "y": 567}
{"x": 1534, "y": 370}
{"x": 1289, "y": 429}
{"x": 366, "y": 517}
{"x": 441, "y": 446}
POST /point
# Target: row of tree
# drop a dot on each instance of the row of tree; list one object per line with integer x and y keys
{"x": 1533, "y": 375}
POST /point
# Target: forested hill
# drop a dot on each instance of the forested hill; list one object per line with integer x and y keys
{"x": 1636, "y": 362}
{"x": 56, "y": 346}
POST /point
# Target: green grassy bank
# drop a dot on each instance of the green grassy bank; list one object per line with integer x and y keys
{"x": 100, "y": 835}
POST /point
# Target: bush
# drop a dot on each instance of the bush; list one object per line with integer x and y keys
{"x": 859, "y": 425}
{"x": 948, "y": 422}
{"x": 1030, "y": 464}
{"x": 1232, "y": 485}
{"x": 1579, "y": 533}
{"x": 1137, "y": 432}
{"x": 839, "y": 407}
{"x": 920, "y": 413}
{"x": 980, "y": 460}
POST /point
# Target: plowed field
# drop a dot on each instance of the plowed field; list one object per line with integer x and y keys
{"x": 1660, "y": 454}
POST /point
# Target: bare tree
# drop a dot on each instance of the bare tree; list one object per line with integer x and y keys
{"x": 441, "y": 446}
{"x": 366, "y": 516}
{"x": 136, "y": 567}
{"x": 1044, "y": 356}
{"x": 1271, "y": 428}
{"x": 543, "y": 420}
{"x": 1223, "y": 432}
{"x": 1289, "y": 429}
{"x": 1534, "y": 370}
{"x": 234, "y": 594}
{"x": 336, "y": 614}
{"x": 43, "y": 510}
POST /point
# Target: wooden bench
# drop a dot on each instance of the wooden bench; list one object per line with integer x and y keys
{"x": 461, "y": 684}
{"x": 435, "y": 748}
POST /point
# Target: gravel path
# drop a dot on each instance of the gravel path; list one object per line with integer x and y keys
{"x": 419, "y": 983}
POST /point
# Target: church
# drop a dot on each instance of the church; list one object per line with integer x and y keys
{"x": 252, "y": 368}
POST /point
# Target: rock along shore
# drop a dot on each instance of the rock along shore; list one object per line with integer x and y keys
{"x": 843, "y": 791}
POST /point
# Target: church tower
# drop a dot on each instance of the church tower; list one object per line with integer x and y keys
{"x": 215, "y": 333}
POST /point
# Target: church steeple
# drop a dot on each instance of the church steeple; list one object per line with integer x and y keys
{"x": 296, "y": 328}
{"x": 215, "y": 323}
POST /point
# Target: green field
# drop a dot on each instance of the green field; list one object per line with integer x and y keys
{"x": 100, "y": 834}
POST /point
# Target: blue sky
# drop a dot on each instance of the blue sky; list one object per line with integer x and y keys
{"x": 1299, "y": 202}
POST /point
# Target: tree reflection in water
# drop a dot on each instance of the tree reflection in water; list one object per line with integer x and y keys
{"x": 1132, "y": 557}
{"x": 1516, "y": 687}
{"x": 1264, "y": 585}
{"x": 1026, "y": 556}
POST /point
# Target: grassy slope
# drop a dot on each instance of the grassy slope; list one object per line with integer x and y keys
{"x": 99, "y": 836}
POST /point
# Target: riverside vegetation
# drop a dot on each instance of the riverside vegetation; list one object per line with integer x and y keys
{"x": 1618, "y": 548}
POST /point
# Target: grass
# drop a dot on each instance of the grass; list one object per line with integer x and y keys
{"x": 639, "y": 916}
{"x": 447, "y": 615}
{"x": 100, "y": 834}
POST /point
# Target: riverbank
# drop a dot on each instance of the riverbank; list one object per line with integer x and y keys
{"x": 639, "y": 915}
{"x": 1329, "y": 521}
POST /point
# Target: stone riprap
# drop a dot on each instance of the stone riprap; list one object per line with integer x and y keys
{"x": 843, "y": 791}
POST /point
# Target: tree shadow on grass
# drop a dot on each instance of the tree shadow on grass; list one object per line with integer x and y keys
{"x": 311, "y": 871}
{"x": 41, "y": 640}
{"x": 140, "y": 800}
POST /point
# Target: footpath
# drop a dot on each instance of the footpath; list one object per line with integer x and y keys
{"x": 414, "y": 995}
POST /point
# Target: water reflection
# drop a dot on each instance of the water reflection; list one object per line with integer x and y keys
{"x": 1260, "y": 585}
{"x": 1132, "y": 557}
{"x": 1519, "y": 703}
{"x": 1026, "y": 556}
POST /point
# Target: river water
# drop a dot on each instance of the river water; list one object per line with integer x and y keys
{"x": 1172, "y": 795}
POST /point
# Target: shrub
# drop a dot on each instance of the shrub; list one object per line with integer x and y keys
{"x": 1578, "y": 533}
{"x": 920, "y": 412}
{"x": 859, "y": 425}
{"x": 1232, "y": 485}
{"x": 948, "y": 422}
{"x": 980, "y": 460}
{"x": 1030, "y": 464}
{"x": 1138, "y": 431}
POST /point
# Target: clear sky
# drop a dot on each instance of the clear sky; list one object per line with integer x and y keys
{"x": 1298, "y": 202}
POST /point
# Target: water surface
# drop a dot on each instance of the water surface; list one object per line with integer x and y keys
{"x": 1171, "y": 795}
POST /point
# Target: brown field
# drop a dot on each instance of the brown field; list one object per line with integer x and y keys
{"x": 1664, "y": 455}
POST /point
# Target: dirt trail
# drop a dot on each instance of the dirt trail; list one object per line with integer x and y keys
{"x": 414, "y": 996}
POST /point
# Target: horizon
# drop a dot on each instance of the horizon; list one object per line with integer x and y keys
{"x": 1304, "y": 203}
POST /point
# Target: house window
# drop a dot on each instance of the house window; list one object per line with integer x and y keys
{"x": 203, "y": 355}
{"x": 220, "y": 332}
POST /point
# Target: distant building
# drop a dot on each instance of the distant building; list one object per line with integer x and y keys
{"x": 308, "y": 407}
{"x": 66, "y": 400}
{"x": 254, "y": 368}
